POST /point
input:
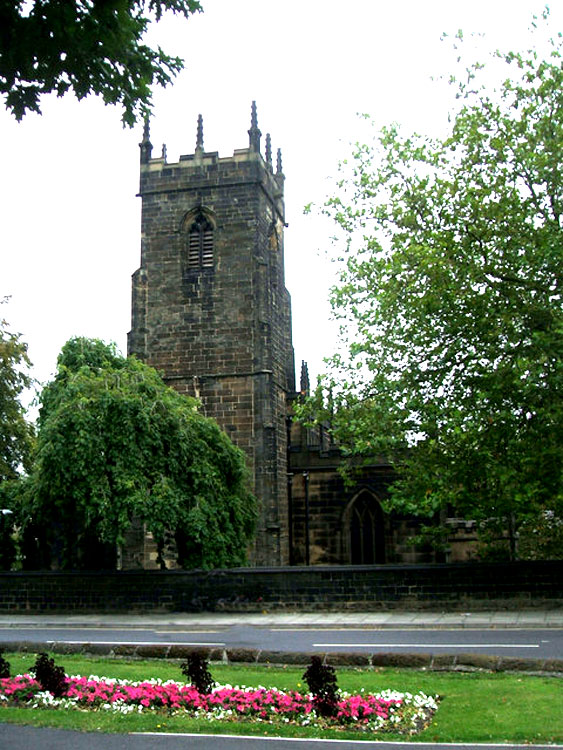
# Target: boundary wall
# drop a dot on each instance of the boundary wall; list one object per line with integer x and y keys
{"x": 440, "y": 587}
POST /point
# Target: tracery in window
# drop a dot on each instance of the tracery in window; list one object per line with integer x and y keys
{"x": 365, "y": 529}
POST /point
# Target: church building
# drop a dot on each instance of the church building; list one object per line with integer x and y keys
{"x": 210, "y": 311}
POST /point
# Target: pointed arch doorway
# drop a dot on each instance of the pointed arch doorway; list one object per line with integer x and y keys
{"x": 365, "y": 530}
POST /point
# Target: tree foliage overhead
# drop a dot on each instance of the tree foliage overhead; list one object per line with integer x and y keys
{"x": 84, "y": 46}
{"x": 115, "y": 444}
{"x": 450, "y": 302}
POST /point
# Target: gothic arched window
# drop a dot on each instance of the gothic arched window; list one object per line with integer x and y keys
{"x": 200, "y": 243}
{"x": 366, "y": 531}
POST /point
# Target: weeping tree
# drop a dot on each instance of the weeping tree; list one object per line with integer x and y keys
{"x": 115, "y": 445}
{"x": 451, "y": 256}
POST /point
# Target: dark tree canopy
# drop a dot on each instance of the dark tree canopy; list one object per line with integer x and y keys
{"x": 450, "y": 301}
{"x": 114, "y": 445}
{"x": 84, "y": 46}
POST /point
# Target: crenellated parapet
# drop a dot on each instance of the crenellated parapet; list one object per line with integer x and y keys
{"x": 208, "y": 167}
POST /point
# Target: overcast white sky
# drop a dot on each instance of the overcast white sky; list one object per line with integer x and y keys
{"x": 69, "y": 234}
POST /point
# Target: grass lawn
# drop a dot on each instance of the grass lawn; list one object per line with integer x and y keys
{"x": 475, "y": 707}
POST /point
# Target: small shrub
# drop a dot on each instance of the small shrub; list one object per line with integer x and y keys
{"x": 4, "y": 667}
{"x": 321, "y": 680}
{"x": 195, "y": 668}
{"x": 50, "y": 676}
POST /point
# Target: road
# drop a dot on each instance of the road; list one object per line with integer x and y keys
{"x": 500, "y": 639}
{"x": 522, "y": 643}
{"x": 58, "y": 739}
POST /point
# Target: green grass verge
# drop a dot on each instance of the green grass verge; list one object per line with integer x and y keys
{"x": 475, "y": 707}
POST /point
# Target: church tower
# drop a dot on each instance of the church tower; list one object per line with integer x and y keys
{"x": 210, "y": 309}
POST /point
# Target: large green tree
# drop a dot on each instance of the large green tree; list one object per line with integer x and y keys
{"x": 84, "y": 46}
{"x": 450, "y": 303}
{"x": 16, "y": 434}
{"x": 116, "y": 445}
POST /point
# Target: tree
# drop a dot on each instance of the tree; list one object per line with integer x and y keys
{"x": 16, "y": 435}
{"x": 86, "y": 47}
{"x": 450, "y": 303}
{"x": 115, "y": 444}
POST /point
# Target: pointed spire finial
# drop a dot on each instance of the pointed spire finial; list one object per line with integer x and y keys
{"x": 269, "y": 151}
{"x": 304, "y": 383}
{"x": 254, "y": 133}
{"x": 279, "y": 163}
{"x": 145, "y": 145}
{"x": 199, "y": 137}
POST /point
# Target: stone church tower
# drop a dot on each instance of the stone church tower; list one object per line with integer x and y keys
{"x": 210, "y": 309}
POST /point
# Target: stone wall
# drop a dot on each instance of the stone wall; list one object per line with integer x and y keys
{"x": 323, "y": 504}
{"x": 465, "y": 586}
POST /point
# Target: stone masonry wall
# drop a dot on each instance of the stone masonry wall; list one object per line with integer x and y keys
{"x": 330, "y": 501}
{"x": 462, "y": 586}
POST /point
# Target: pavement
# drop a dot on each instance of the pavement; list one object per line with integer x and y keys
{"x": 398, "y": 620}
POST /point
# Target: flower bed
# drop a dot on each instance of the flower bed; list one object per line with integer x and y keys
{"x": 388, "y": 711}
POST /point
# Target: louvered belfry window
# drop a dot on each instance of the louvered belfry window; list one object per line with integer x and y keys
{"x": 200, "y": 244}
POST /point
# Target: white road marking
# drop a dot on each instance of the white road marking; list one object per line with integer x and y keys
{"x": 315, "y": 741}
{"x": 426, "y": 645}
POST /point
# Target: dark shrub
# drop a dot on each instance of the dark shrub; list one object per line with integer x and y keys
{"x": 195, "y": 668}
{"x": 4, "y": 667}
{"x": 50, "y": 676}
{"x": 321, "y": 680}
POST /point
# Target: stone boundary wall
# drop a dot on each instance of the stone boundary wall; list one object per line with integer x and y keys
{"x": 450, "y": 587}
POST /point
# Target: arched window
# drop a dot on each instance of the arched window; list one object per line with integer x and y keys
{"x": 200, "y": 243}
{"x": 366, "y": 531}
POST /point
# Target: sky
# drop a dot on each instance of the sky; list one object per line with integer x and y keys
{"x": 70, "y": 224}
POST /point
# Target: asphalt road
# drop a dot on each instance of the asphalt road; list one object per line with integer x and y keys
{"x": 12, "y": 736}
{"x": 522, "y": 643}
